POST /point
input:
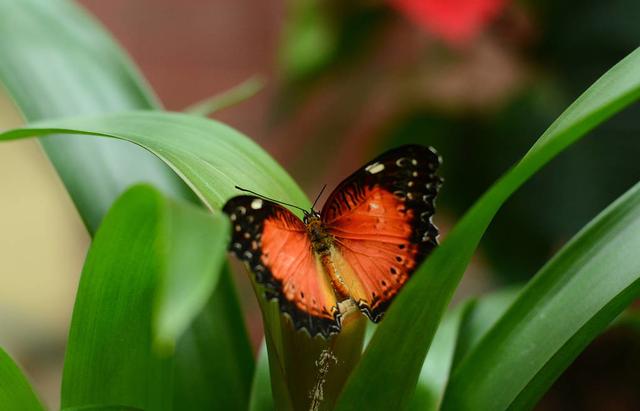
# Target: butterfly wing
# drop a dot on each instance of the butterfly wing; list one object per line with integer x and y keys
{"x": 274, "y": 243}
{"x": 380, "y": 218}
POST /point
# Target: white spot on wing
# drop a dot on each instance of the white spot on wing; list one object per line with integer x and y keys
{"x": 374, "y": 168}
{"x": 256, "y": 204}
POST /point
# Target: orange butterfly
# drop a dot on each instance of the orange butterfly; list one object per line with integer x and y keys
{"x": 372, "y": 233}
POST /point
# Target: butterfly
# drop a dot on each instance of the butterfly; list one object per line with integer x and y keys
{"x": 358, "y": 251}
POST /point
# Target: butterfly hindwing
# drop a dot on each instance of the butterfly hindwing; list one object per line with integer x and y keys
{"x": 380, "y": 218}
{"x": 274, "y": 243}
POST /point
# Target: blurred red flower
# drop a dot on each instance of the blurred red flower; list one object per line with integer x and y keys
{"x": 455, "y": 21}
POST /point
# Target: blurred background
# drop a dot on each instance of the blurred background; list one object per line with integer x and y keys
{"x": 479, "y": 80}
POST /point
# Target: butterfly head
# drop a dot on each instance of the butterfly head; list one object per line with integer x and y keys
{"x": 310, "y": 216}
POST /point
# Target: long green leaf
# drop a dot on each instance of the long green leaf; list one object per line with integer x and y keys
{"x": 211, "y": 157}
{"x": 110, "y": 357}
{"x": 569, "y": 302}
{"x": 56, "y": 61}
{"x": 16, "y": 393}
{"x": 402, "y": 340}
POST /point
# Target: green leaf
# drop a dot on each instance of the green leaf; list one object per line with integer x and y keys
{"x": 569, "y": 302}
{"x": 196, "y": 246}
{"x": 228, "y": 98}
{"x": 437, "y": 366}
{"x": 16, "y": 393}
{"x": 401, "y": 342}
{"x": 261, "y": 397}
{"x": 110, "y": 357}
{"x": 56, "y": 62}
{"x": 214, "y": 360}
{"x": 485, "y": 313}
{"x": 210, "y": 156}
{"x": 459, "y": 330}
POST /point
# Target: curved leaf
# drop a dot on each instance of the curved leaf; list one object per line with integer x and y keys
{"x": 15, "y": 391}
{"x": 211, "y": 158}
{"x": 401, "y": 342}
{"x": 110, "y": 357}
{"x": 568, "y": 303}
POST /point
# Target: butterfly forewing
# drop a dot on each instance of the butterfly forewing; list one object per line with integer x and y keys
{"x": 380, "y": 218}
{"x": 275, "y": 245}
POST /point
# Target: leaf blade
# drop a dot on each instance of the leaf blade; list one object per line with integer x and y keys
{"x": 15, "y": 391}
{"x": 110, "y": 357}
{"x": 215, "y": 160}
{"x": 182, "y": 293}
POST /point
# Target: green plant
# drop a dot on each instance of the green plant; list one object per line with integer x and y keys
{"x": 156, "y": 323}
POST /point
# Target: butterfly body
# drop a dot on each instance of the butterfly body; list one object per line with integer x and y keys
{"x": 358, "y": 251}
{"x": 321, "y": 240}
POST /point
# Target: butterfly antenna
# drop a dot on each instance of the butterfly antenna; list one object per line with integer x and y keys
{"x": 271, "y": 199}
{"x": 318, "y": 197}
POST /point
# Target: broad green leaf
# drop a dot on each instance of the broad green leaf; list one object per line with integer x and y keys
{"x": 228, "y": 98}
{"x": 56, "y": 61}
{"x": 261, "y": 397}
{"x": 568, "y": 303}
{"x": 211, "y": 157}
{"x": 16, "y": 393}
{"x": 401, "y": 342}
{"x": 217, "y": 341}
{"x": 110, "y": 357}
